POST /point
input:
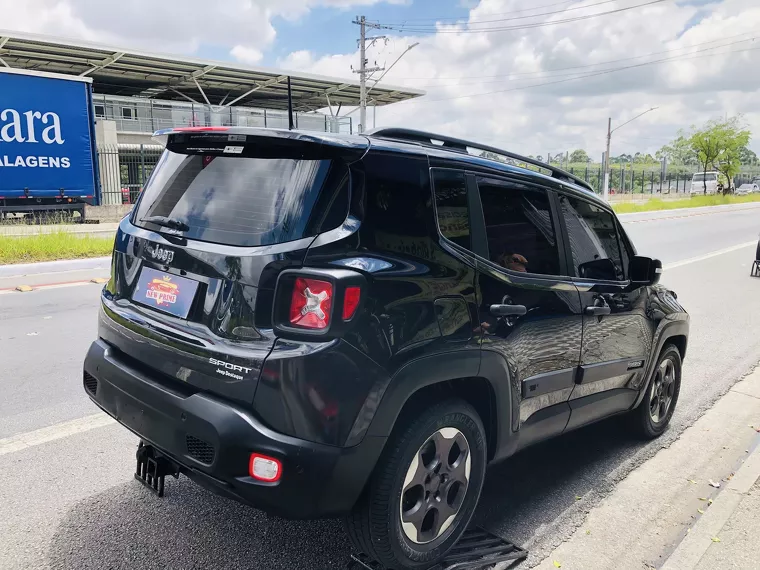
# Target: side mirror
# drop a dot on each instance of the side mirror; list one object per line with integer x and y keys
{"x": 644, "y": 270}
{"x": 603, "y": 269}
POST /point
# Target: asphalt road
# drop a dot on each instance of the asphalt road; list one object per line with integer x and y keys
{"x": 68, "y": 500}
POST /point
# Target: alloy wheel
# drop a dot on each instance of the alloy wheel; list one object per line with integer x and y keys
{"x": 435, "y": 485}
{"x": 662, "y": 390}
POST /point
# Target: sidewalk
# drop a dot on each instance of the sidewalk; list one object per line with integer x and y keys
{"x": 668, "y": 514}
{"x": 728, "y": 534}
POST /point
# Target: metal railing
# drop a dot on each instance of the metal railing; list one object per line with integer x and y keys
{"x": 124, "y": 170}
{"x": 139, "y": 115}
{"x": 648, "y": 181}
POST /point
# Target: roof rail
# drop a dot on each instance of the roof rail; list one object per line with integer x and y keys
{"x": 428, "y": 139}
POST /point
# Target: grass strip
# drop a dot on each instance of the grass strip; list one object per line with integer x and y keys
{"x": 52, "y": 246}
{"x": 696, "y": 202}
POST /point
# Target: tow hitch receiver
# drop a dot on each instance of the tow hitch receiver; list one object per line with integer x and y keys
{"x": 152, "y": 468}
{"x": 478, "y": 549}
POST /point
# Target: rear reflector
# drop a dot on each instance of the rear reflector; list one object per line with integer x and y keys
{"x": 351, "y": 302}
{"x": 310, "y": 303}
{"x": 265, "y": 468}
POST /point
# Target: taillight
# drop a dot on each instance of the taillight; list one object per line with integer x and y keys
{"x": 316, "y": 303}
{"x": 351, "y": 299}
{"x": 310, "y": 303}
{"x": 265, "y": 468}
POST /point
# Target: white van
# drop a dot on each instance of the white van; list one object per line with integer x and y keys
{"x": 702, "y": 179}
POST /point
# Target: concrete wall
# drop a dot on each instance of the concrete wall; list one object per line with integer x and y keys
{"x": 135, "y": 138}
{"x": 107, "y": 213}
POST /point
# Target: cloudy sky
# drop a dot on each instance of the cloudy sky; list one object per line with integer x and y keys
{"x": 534, "y": 76}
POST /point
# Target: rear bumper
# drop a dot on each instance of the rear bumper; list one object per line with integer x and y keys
{"x": 318, "y": 480}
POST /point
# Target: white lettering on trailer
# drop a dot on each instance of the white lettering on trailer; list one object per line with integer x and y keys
{"x": 13, "y": 129}
{"x": 35, "y": 161}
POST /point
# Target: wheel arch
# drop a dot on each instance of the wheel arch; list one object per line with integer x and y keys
{"x": 460, "y": 374}
{"x": 675, "y": 332}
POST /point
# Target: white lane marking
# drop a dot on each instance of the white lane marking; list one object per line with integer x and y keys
{"x": 709, "y": 255}
{"x": 19, "y": 275}
{"x": 54, "y": 432}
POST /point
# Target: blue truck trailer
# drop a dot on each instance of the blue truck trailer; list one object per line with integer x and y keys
{"x": 47, "y": 144}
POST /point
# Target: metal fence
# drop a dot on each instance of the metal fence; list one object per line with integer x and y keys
{"x": 124, "y": 169}
{"x": 648, "y": 181}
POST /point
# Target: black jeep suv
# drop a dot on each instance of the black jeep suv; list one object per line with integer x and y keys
{"x": 322, "y": 325}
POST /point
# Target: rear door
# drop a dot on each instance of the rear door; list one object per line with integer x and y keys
{"x": 529, "y": 308}
{"x": 195, "y": 265}
{"x": 617, "y": 335}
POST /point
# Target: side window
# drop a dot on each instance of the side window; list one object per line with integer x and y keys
{"x": 451, "y": 206}
{"x": 519, "y": 227}
{"x": 593, "y": 240}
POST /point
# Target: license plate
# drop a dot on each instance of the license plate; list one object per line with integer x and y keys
{"x": 165, "y": 292}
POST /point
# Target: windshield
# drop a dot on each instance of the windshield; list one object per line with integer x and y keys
{"x": 709, "y": 177}
{"x": 237, "y": 200}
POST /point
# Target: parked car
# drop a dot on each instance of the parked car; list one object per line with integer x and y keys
{"x": 705, "y": 183}
{"x": 747, "y": 189}
{"x": 323, "y": 325}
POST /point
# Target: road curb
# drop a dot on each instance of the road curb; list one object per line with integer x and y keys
{"x": 694, "y": 545}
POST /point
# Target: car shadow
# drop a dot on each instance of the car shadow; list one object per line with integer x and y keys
{"x": 528, "y": 491}
{"x": 128, "y": 527}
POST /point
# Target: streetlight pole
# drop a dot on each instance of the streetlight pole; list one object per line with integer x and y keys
{"x": 610, "y": 130}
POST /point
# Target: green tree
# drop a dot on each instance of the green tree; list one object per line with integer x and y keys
{"x": 679, "y": 151}
{"x": 730, "y": 160}
{"x": 718, "y": 144}
{"x": 748, "y": 157}
{"x": 579, "y": 155}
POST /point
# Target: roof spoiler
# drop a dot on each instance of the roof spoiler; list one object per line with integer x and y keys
{"x": 429, "y": 139}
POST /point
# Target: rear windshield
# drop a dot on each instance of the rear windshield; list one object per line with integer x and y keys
{"x": 243, "y": 201}
{"x": 705, "y": 177}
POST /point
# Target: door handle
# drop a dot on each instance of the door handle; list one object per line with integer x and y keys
{"x": 508, "y": 310}
{"x": 598, "y": 311}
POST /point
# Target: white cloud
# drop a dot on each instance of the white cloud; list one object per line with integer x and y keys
{"x": 172, "y": 26}
{"x": 248, "y": 55}
{"x": 565, "y": 114}
{"x": 480, "y": 85}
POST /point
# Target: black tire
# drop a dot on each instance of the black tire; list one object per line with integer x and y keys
{"x": 645, "y": 422}
{"x": 375, "y": 526}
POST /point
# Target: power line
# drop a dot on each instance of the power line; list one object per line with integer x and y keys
{"x": 435, "y": 30}
{"x": 509, "y": 75}
{"x": 499, "y": 14}
{"x": 569, "y": 9}
{"x": 571, "y": 73}
{"x": 594, "y": 74}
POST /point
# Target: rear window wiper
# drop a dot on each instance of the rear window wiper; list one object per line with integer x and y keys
{"x": 167, "y": 222}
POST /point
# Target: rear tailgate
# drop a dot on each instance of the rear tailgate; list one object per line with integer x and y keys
{"x": 195, "y": 266}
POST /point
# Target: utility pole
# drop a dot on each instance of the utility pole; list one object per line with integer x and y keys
{"x": 362, "y": 75}
{"x": 606, "y": 185}
{"x": 363, "y": 70}
{"x": 610, "y": 130}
